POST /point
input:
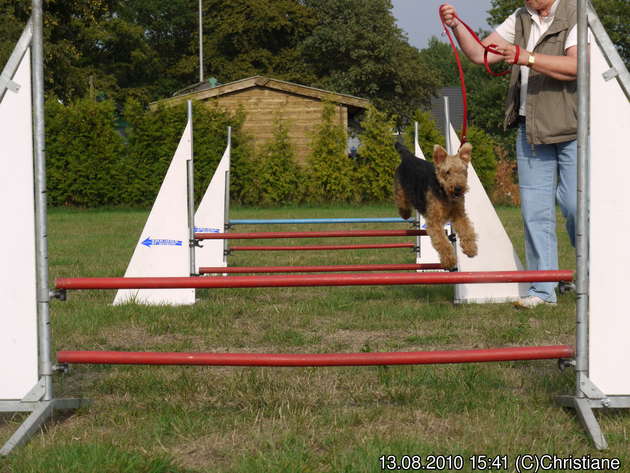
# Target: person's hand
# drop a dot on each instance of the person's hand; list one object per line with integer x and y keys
{"x": 509, "y": 55}
{"x": 447, "y": 13}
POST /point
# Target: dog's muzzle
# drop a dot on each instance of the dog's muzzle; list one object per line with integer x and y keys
{"x": 458, "y": 191}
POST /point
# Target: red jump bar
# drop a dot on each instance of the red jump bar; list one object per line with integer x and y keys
{"x": 319, "y": 359}
{"x": 322, "y": 269}
{"x": 325, "y": 234}
{"x": 310, "y": 280}
{"x": 322, "y": 247}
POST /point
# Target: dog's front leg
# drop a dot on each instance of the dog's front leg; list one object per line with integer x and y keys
{"x": 464, "y": 230}
{"x": 436, "y": 218}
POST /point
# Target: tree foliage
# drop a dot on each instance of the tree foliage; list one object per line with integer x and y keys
{"x": 484, "y": 158}
{"x": 428, "y": 133}
{"x": 250, "y": 37}
{"x": 148, "y": 49}
{"x": 357, "y": 48}
{"x": 377, "y": 158}
{"x": 91, "y": 163}
{"x": 84, "y": 167}
{"x": 278, "y": 179}
{"x": 330, "y": 175}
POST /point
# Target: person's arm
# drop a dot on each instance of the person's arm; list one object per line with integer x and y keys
{"x": 471, "y": 48}
{"x": 558, "y": 67}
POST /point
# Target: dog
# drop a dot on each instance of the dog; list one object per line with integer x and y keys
{"x": 437, "y": 193}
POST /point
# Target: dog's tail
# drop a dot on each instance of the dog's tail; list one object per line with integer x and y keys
{"x": 403, "y": 151}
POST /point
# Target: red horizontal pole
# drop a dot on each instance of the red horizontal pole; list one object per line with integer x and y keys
{"x": 324, "y": 234}
{"x": 322, "y": 247}
{"x": 323, "y": 269}
{"x": 318, "y": 359}
{"x": 310, "y": 280}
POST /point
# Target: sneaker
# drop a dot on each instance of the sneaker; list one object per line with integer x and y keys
{"x": 530, "y": 302}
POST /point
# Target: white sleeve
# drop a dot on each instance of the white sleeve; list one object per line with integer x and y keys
{"x": 507, "y": 29}
{"x": 572, "y": 38}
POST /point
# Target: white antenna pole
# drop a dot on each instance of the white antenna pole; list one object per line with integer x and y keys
{"x": 200, "y": 41}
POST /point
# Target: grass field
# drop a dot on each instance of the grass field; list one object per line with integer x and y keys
{"x": 201, "y": 419}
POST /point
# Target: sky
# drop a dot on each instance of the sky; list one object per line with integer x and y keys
{"x": 420, "y": 20}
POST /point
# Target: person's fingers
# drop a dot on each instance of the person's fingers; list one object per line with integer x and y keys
{"x": 447, "y": 12}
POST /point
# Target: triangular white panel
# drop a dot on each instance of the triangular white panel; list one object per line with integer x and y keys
{"x": 163, "y": 248}
{"x": 496, "y": 252}
{"x": 609, "y": 323}
{"x": 18, "y": 281}
{"x": 210, "y": 216}
{"x": 427, "y": 253}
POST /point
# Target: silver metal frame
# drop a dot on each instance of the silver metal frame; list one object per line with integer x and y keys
{"x": 618, "y": 69}
{"x": 450, "y": 150}
{"x": 190, "y": 185}
{"x": 416, "y": 224}
{"x": 40, "y": 400}
{"x": 6, "y": 78}
{"x": 226, "y": 200}
{"x": 587, "y": 395}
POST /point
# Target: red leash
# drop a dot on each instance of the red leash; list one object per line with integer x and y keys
{"x": 487, "y": 49}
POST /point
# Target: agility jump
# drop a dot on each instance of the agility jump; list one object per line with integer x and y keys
{"x": 602, "y": 326}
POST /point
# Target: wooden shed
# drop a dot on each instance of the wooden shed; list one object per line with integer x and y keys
{"x": 263, "y": 99}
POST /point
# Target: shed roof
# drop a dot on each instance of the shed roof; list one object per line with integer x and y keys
{"x": 203, "y": 91}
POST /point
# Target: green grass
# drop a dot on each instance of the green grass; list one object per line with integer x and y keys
{"x": 199, "y": 419}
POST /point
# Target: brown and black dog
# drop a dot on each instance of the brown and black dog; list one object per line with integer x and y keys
{"x": 437, "y": 193}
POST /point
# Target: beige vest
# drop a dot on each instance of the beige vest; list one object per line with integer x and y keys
{"x": 551, "y": 107}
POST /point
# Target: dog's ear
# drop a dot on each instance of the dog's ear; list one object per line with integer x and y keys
{"x": 439, "y": 154}
{"x": 465, "y": 152}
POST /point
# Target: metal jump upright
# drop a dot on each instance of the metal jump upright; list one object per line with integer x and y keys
{"x": 588, "y": 395}
{"x": 40, "y": 401}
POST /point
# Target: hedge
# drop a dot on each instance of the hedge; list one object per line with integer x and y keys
{"x": 85, "y": 155}
{"x": 92, "y": 161}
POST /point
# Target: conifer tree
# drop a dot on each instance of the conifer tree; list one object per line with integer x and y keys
{"x": 331, "y": 171}
{"x": 377, "y": 156}
{"x": 84, "y": 154}
{"x": 278, "y": 178}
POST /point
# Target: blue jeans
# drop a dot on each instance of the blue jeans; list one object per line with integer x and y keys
{"x": 546, "y": 173}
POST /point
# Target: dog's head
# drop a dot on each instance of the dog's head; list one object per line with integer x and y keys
{"x": 452, "y": 171}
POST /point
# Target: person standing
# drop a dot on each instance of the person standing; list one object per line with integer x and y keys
{"x": 542, "y": 104}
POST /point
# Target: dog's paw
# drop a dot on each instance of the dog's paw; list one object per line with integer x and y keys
{"x": 448, "y": 260}
{"x": 469, "y": 247}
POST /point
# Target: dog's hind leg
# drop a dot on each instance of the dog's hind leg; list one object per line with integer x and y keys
{"x": 405, "y": 209}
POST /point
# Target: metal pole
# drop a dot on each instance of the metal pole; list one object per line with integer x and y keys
{"x": 447, "y": 127}
{"x": 10, "y": 68}
{"x": 41, "y": 242}
{"x": 582, "y": 237}
{"x": 200, "y": 41}
{"x": 190, "y": 180}
{"x": 549, "y": 352}
{"x": 226, "y": 199}
{"x": 418, "y": 222}
{"x": 312, "y": 280}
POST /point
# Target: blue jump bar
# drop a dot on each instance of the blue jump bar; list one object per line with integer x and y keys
{"x": 320, "y": 220}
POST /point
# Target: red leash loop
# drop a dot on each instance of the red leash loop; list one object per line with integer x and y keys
{"x": 487, "y": 49}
